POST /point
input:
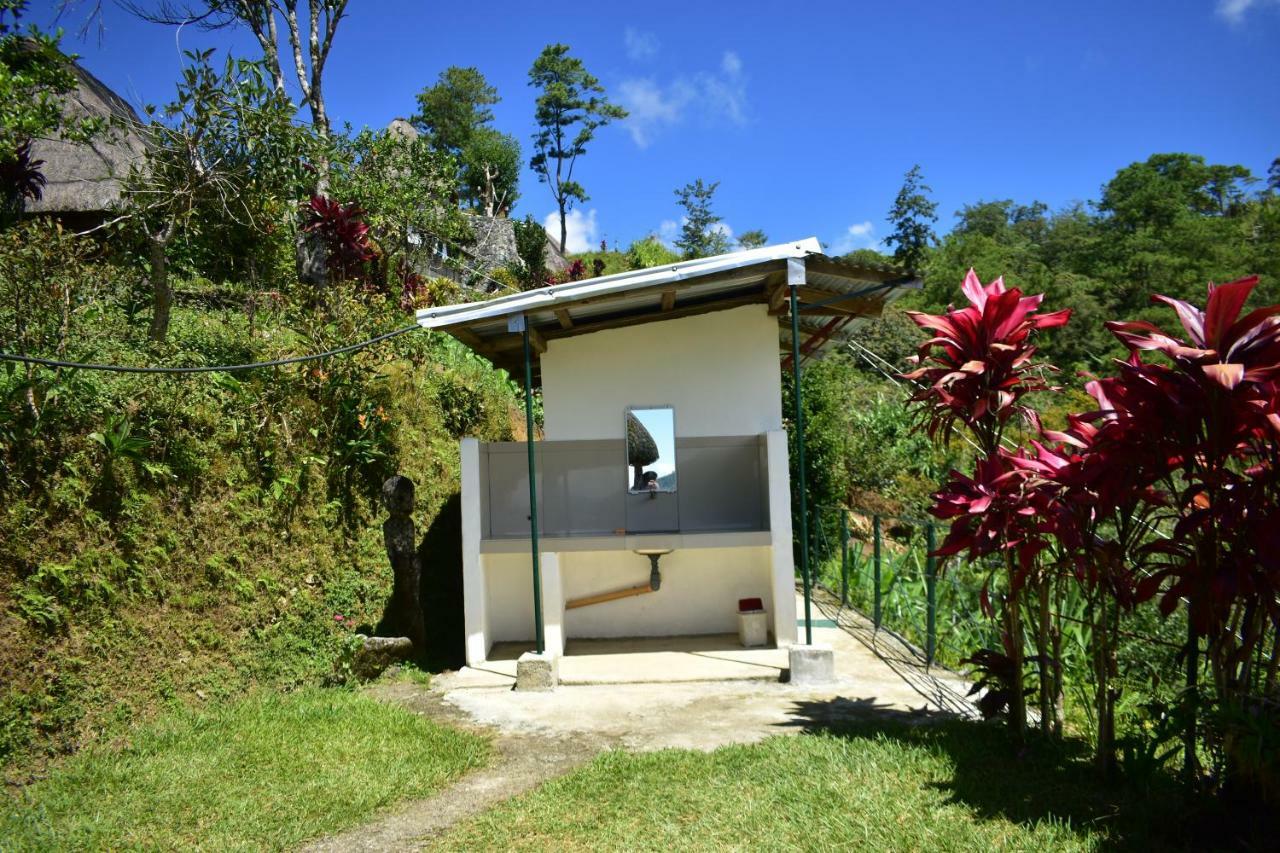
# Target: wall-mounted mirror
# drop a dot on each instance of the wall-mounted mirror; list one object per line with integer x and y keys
{"x": 651, "y": 450}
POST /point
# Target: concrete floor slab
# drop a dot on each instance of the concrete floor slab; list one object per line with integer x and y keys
{"x": 644, "y": 660}
{"x": 656, "y": 693}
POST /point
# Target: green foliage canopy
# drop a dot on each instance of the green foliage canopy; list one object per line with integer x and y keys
{"x": 702, "y": 233}
{"x": 911, "y": 215}
{"x": 455, "y": 116}
{"x": 570, "y": 108}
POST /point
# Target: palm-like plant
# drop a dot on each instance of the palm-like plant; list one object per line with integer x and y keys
{"x": 975, "y": 370}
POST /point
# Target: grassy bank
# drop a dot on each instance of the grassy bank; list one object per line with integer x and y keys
{"x": 175, "y": 541}
{"x": 261, "y": 773}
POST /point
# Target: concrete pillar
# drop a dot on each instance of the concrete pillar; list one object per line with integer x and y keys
{"x": 475, "y": 617}
{"x": 552, "y": 604}
{"x": 784, "y": 571}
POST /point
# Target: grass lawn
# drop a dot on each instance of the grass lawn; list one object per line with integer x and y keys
{"x": 951, "y": 786}
{"x": 265, "y": 772}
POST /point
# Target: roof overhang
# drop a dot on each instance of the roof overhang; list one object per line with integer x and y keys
{"x": 834, "y": 295}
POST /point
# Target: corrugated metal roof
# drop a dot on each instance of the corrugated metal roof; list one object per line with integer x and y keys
{"x": 682, "y": 289}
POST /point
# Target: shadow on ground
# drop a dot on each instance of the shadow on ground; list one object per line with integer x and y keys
{"x": 1044, "y": 780}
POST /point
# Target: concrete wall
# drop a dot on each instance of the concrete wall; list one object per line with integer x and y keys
{"x": 719, "y": 372}
{"x": 699, "y": 593}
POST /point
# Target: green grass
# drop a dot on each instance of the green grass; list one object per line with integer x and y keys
{"x": 262, "y": 773}
{"x": 953, "y": 786}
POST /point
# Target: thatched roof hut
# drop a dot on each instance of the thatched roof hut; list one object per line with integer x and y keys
{"x": 84, "y": 178}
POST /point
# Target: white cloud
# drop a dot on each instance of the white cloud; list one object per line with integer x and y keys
{"x": 860, "y": 235}
{"x": 669, "y": 231}
{"x": 711, "y": 95}
{"x": 581, "y": 231}
{"x": 649, "y": 108}
{"x": 1234, "y": 11}
{"x": 640, "y": 45}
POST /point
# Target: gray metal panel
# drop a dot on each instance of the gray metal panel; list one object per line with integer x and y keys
{"x": 655, "y": 512}
{"x": 509, "y": 491}
{"x": 721, "y": 482}
{"x": 722, "y": 486}
{"x": 582, "y": 481}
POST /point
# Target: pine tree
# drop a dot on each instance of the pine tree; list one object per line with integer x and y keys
{"x": 911, "y": 215}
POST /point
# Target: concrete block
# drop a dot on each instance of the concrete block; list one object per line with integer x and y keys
{"x": 815, "y": 664}
{"x": 537, "y": 672}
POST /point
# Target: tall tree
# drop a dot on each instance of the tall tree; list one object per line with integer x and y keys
{"x": 308, "y": 33}
{"x": 308, "y": 37}
{"x": 205, "y": 172}
{"x": 753, "y": 239}
{"x": 912, "y": 215}
{"x": 1273, "y": 175}
{"x": 702, "y": 233}
{"x": 450, "y": 111}
{"x": 570, "y": 109}
{"x": 455, "y": 118}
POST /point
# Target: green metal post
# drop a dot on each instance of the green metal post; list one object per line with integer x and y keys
{"x": 844, "y": 557}
{"x": 875, "y": 544}
{"x": 931, "y": 590}
{"x": 796, "y": 395}
{"x": 533, "y": 491}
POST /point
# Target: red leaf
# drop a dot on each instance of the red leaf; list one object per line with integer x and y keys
{"x": 1226, "y": 375}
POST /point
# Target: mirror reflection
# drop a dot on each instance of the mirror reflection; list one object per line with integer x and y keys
{"x": 651, "y": 450}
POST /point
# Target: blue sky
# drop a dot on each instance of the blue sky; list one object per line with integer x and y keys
{"x": 808, "y": 113}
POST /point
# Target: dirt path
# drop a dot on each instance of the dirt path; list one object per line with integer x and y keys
{"x": 521, "y": 761}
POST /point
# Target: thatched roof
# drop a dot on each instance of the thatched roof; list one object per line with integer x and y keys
{"x": 86, "y": 177}
{"x": 641, "y": 448}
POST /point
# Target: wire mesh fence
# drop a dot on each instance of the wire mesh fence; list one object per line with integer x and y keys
{"x": 880, "y": 565}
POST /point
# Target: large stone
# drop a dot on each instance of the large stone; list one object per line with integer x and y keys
{"x": 810, "y": 665}
{"x": 377, "y": 653}
{"x": 537, "y": 672}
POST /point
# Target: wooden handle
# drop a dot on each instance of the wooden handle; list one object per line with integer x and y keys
{"x": 601, "y": 598}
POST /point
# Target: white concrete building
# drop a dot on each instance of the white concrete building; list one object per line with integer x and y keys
{"x": 663, "y": 432}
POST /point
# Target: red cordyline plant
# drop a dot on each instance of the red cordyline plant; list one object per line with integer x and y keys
{"x": 975, "y": 370}
{"x": 344, "y": 232}
{"x": 1210, "y": 414}
{"x": 978, "y": 364}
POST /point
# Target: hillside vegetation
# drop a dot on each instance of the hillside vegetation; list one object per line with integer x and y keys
{"x": 181, "y": 539}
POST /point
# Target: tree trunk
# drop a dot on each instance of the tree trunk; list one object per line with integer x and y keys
{"x": 161, "y": 293}
{"x": 564, "y": 228}
{"x": 1017, "y": 699}
{"x": 1046, "y": 658}
{"x": 1059, "y": 700}
{"x": 1104, "y": 752}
